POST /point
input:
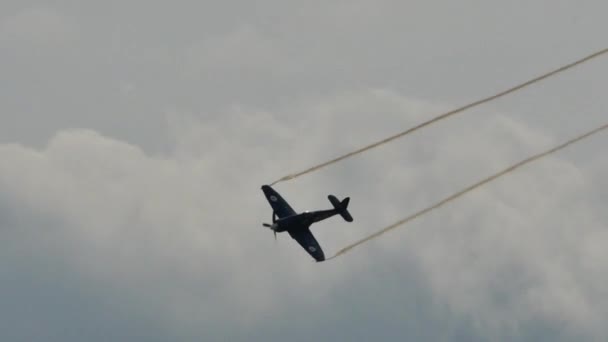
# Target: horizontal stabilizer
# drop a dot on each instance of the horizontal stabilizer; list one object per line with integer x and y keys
{"x": 341, "y": 207}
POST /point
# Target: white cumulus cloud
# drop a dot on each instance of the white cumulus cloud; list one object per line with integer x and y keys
{"x": 180, "y": 234}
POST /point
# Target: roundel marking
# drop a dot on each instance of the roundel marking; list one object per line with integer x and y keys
{"x": 312, "y": 249}
{"x": 273, "y": 198}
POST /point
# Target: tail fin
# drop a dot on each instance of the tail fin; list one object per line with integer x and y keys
{"x": 341, "y": 207}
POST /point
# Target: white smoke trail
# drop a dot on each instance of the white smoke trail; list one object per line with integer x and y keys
{"x": 443, "y": 116}
{"x": 469, "y": 189}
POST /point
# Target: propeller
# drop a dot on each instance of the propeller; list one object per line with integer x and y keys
{"x": 271, "y": 226}
{"x": 274, "y": 219}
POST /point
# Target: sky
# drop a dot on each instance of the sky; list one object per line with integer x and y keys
{"x": 135, "y": 136}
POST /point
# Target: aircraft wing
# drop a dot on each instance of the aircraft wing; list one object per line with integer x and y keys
{"x": 278, "y": 204}
{"x": 308, "y": 242}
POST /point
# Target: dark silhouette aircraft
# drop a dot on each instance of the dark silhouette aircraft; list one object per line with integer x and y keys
{"x": 285, "y": 219}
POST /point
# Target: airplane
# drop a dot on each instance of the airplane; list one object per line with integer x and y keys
{"x": 285, "y": 219}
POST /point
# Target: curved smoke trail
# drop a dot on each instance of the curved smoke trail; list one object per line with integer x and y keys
{"x": 443, "y": 116}
{"x": 469, "y": 189}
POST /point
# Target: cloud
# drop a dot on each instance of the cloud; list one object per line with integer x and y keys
{"x": 38, "y": 27}
{"x": 175, "y": 241}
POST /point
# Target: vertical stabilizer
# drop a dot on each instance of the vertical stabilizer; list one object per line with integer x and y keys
{"x": 341, "y": 207}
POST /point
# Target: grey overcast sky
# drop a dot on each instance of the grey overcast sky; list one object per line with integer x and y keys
{"x": 134, "y": 137}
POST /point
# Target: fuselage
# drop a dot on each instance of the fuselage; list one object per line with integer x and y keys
{"x": 302, "y": 220}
